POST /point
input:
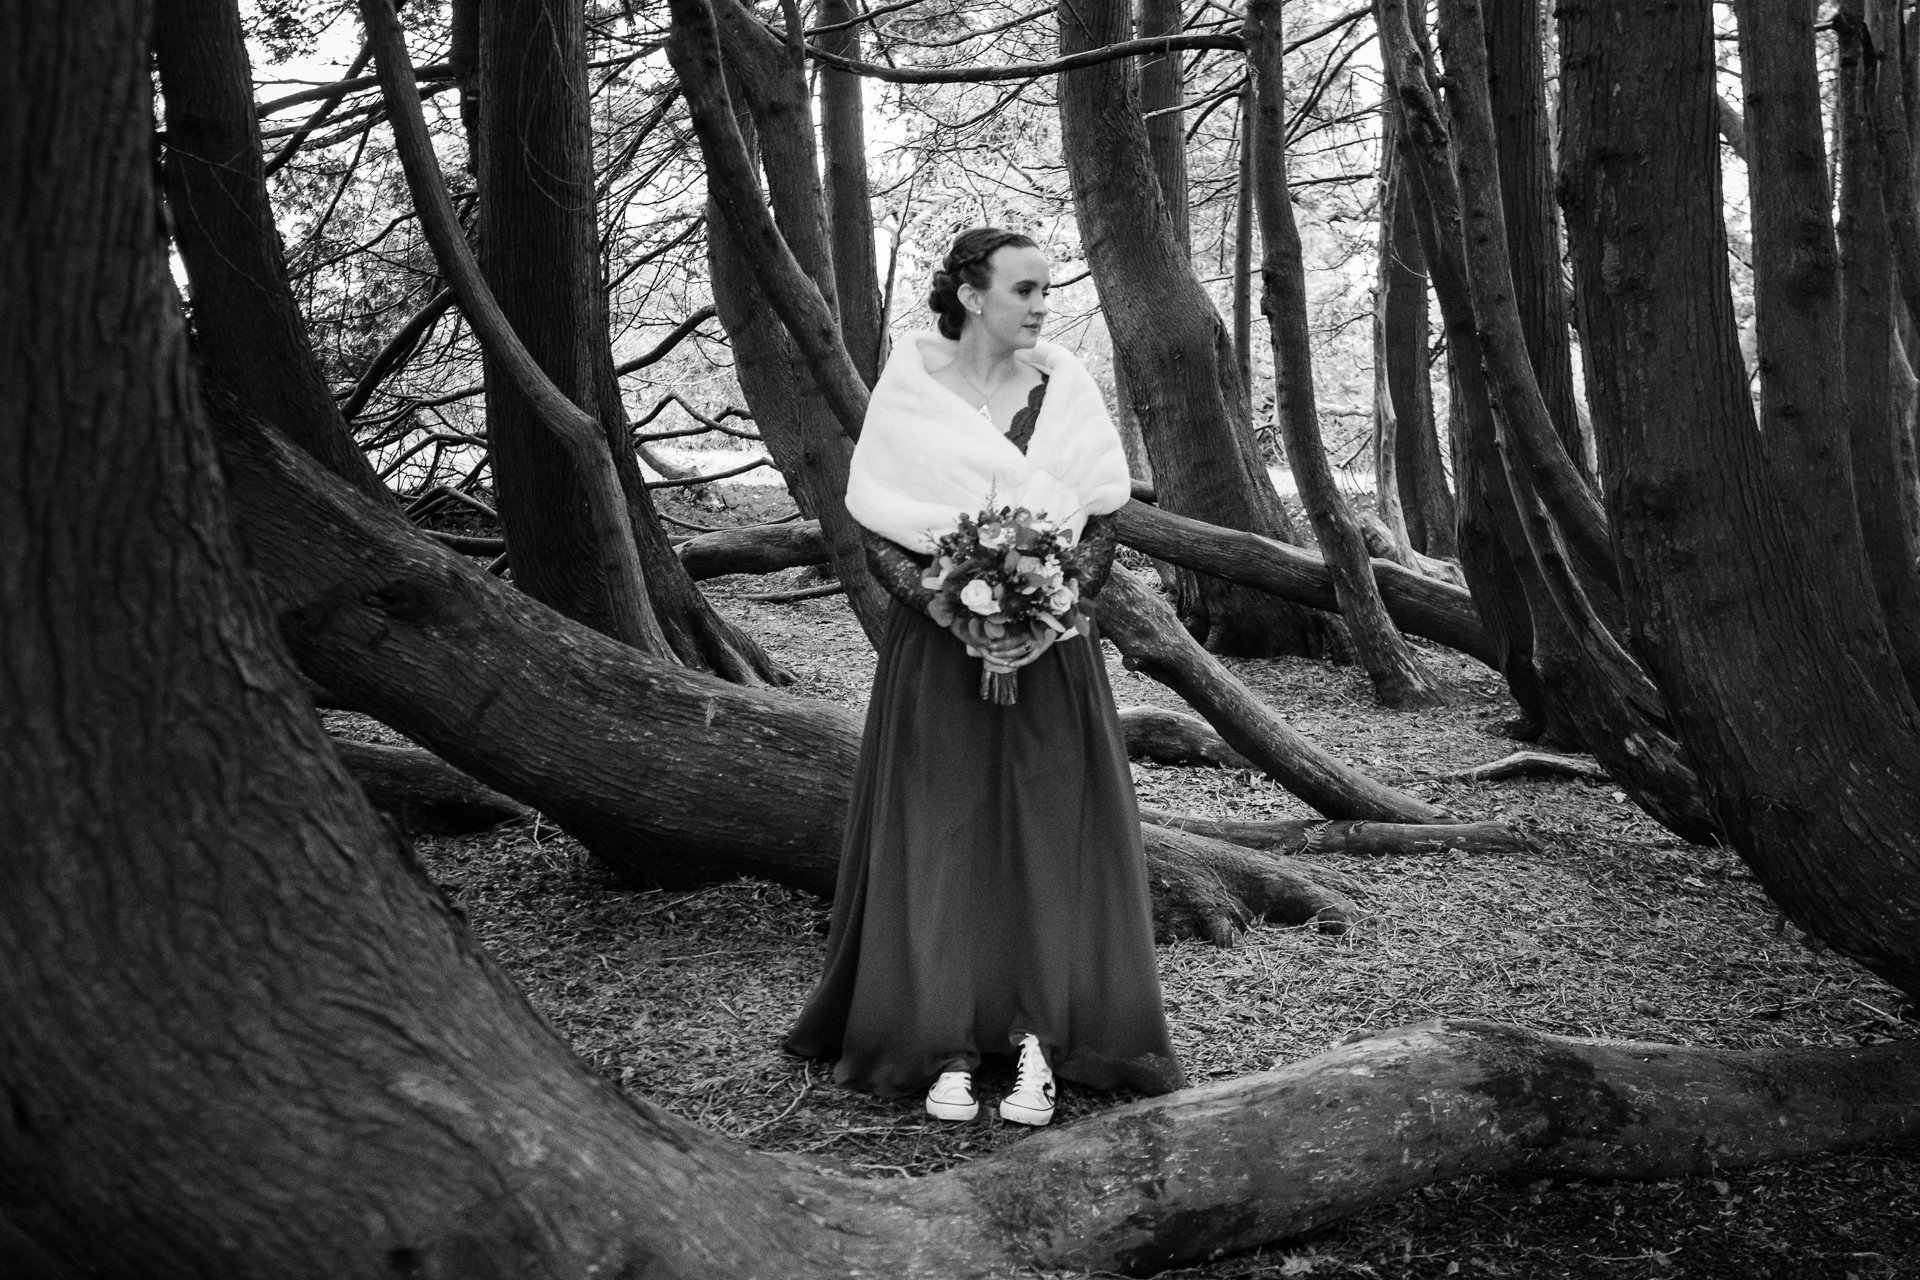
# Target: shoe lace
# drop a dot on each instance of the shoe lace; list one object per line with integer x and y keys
{"x": 1033, "y": 1074}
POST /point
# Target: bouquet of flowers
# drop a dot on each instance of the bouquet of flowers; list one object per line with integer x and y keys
{"x": 1004, "y": 573}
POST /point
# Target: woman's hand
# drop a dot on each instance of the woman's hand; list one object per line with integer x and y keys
{"x": 1004, "y": 653}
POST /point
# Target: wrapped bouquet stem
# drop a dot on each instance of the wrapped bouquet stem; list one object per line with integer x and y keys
{"x": 1004, "y": 583}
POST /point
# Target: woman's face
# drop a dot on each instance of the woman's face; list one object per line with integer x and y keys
{"x": 1013, "y": 306}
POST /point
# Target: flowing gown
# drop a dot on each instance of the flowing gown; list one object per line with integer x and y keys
{"x": 992, "y": 882}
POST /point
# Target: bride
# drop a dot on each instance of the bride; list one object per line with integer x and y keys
{"x": 992, "y": 893}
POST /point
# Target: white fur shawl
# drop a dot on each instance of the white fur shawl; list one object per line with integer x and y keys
{"x": 925, "y": 455}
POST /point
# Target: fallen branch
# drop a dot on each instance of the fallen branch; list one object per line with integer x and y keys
{"x": 470, "y": 546}
{"x": 759, "y": 548}
{"x": 1529, "y": 764}
{"x": 1226, "y": 1167}
{"x": 1143, "y": 627}
{"x": 423, "y": 792}
{"x": 1418, "y": 605}
{"x": 711, "y": 476}
{"x": 1369, "y": 839}
{"x": 1173, "y": 737}
{"x": 800, "y": 593}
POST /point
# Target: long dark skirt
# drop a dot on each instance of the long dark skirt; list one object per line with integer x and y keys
{"x": 992, "y": 883}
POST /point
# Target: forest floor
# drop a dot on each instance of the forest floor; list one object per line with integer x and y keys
{"x": 1611, "y": 928}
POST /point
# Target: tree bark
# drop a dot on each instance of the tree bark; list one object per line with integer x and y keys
{"x": 1725, "y": 592}
{"x": 243, "y": 308}
{"x": 1875, "y": 421}
{"x": 1178, "y": 355}
{"x": 1798, "y": 305}
{"x": 1398, "y": 678}
{"x": 1517, "y": 101}
{"x": 633, "y": 619}
{"x": 843, "y": 135}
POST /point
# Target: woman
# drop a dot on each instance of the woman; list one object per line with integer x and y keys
{"x": 993, "y": 891}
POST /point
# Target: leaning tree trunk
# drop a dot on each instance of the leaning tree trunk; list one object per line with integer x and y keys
{"x": 1817, "y": 784}
{"x": 1398, "y": 678}
{"x": 806, "y": 437}
{"x": 245, "y": 1037}
{"x": 243, "y": 308}
{"x": 1179, "y": 357}
{"x": 539, "y": 246}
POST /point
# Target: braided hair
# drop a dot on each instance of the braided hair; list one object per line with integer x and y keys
{"x": 968, "y": 261}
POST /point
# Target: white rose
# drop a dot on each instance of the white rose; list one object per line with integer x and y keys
{"x": 1061, "y": 600}
{"x": 978, "y": 596}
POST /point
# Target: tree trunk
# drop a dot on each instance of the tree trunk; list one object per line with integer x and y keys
{"x": 1243, "y": 247}
{"x": 1593, "y": 692}
{"x": 1526, "y": 430}
{"x": 245, "y": 1038}
{"x": 856, "y": 275}
{"x": 1398, "y": 678}
{"x": 539, "y": 246}
{"x": 243, "y": 308}
{"x": 1162, "y": 91}
{"x": 1366, "y": 839}
{"x": 1815, "y": 784}
{"x": 1420, "y": 489}
{"x": 631, "y": 611}
{"x": 1178, "y": 355}
{"x": 1875, "y": 421}
{"x": 1517, "y": 98}
{"x": 808, "y": 441}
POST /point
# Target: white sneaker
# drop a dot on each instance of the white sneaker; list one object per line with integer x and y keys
{"x": 1031, "y": 1101}
{"x": 951, "y": 1097}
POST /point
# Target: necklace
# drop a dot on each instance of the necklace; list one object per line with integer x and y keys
{"x": 986, "y": 395}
